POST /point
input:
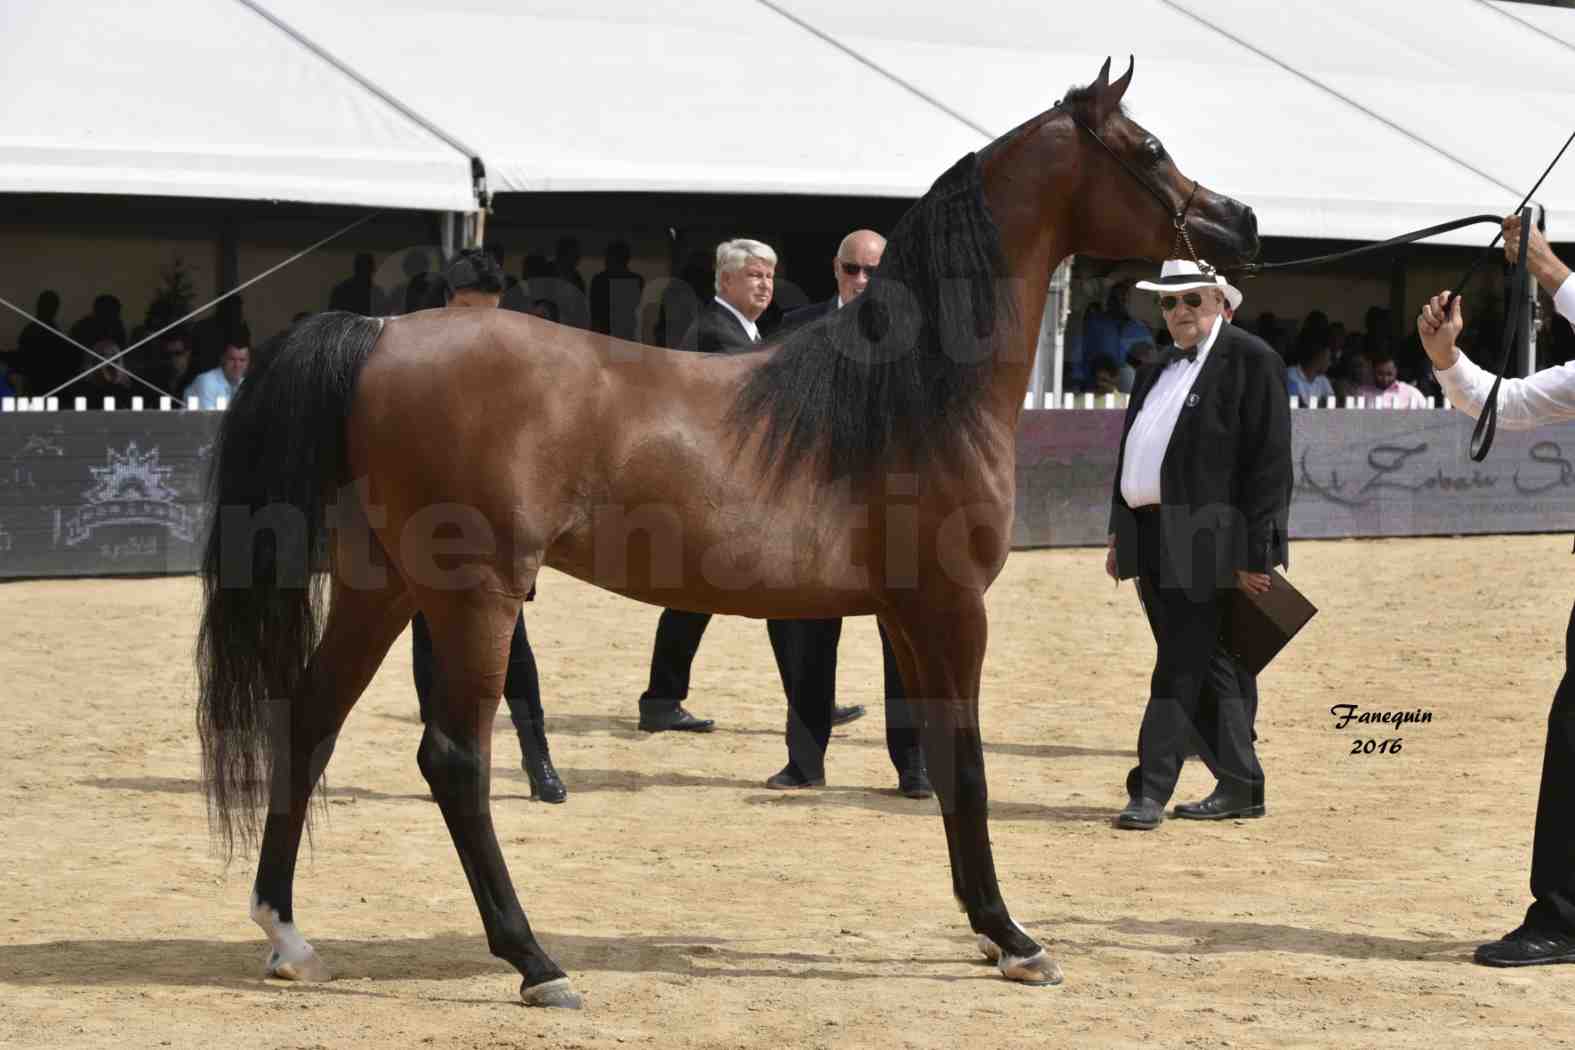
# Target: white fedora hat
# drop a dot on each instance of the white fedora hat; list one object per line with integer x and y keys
{"x": 1180, "y": 275}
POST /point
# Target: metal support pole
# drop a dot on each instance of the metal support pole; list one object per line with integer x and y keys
{"x": 447, "y": 223}
{"x": 1050, "y": 355}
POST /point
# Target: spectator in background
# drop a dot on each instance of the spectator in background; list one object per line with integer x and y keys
{"x": 354, "y": 293}
{"x": 173, "y": 368}
{"x": 855, "y": 263}
{"x": 6, "y": 389}
{"x": 1110, "y": 332}
{"x": 1352, "y": 373}
{"x": 499, "y": 255}
{"x": 813, "y": 643}
{"x": 44, "y": 358}
{"x": 566, "y": 262}
{"x": 224, "y": 380}
{"x": 226, "y": 326}
{"x": 1267, "y": 327}
{"x": 103, "y": 323}
{"x": 745, "y": 282}
{"x": 681, "y": 299}
{"x": 553, "y": 288}
{"x": 1386, "y": 389}
{"x": 104, "y": 381}
{"x": 1336, "y": 341}
{"x": 1107, "y": 375}
{"x": 615, "y": 295}
{"x": 1307, "y": 378}
{"x": 1139, "y": 355}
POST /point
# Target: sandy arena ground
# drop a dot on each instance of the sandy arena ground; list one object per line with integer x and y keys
{"x": 694, "y": 908}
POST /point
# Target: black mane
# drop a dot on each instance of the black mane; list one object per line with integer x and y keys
{"x": 904, "y": 366}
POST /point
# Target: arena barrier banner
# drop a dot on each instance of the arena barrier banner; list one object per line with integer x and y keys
{"x": 1358, "y": 473}
{"x": 102, "y": 493}
{"x": 119, "y": 493}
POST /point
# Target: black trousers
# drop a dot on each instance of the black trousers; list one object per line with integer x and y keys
{"x": 1197, "y": 700}
{"x": 1553, "y": 848}
{"x": 806, "y": 655}
{"x": 521, "y": 686}
{"x": 812, "y": 693}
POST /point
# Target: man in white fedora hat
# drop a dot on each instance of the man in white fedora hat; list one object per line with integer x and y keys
{"x": 1200, "y": 504}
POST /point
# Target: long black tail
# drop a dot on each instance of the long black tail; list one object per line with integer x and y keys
{"x": 276, "y": 465}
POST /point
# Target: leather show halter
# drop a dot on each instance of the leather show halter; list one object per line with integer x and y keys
{"x": 1519, "y": 322}
{"x": 1178, "y": 216}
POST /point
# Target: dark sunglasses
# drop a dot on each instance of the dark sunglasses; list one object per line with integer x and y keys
{"x": 1168, "y": 302}
{"x": 852, "y": 269}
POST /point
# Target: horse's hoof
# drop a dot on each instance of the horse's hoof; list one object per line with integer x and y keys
{"x": 989, "y": 949}
{"x": 556, "y": 994}
{"x": 311, "y": 969}
{"x": 1038, "y": 969}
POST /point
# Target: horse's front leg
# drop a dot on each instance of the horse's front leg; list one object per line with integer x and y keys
{"x": 946, "y": 649}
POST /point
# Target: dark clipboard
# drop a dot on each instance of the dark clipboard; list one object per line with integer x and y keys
{"x": 1255, "y": 627}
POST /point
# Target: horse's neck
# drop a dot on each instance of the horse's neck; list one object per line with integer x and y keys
{"x": 1013, "y": 369}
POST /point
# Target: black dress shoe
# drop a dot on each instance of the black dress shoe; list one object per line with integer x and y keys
{"x": 1528, "y": 947}
{"x": 674, "y": 719}
{"x": 1221, "y": 805}
{"x": 1141, "y": 814}
{"x": 914, "y": 783}
{"x": 841, "y": 716}
{"x": 545, "y": 784}
{"x": 790, "y": 779}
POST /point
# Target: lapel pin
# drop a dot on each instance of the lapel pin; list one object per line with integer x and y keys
{"x": 1192, "y": 400}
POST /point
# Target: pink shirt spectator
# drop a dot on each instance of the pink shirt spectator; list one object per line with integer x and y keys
{"x": 1400, "y": 395}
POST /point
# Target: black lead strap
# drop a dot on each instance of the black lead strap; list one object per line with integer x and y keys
{"x": 1253, "y": 269}
{"x": 1517, "y": 322}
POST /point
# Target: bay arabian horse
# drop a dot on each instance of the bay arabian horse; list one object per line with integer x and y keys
{"x": 863, "y": 466}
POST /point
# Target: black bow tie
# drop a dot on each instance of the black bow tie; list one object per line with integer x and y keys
{"x": 1175, "y": 354}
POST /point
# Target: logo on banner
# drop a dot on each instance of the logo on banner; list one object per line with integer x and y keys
{"x": 131, "y": 489}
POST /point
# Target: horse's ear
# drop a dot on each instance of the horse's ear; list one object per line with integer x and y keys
{"x": 1107, "y": 96}
{"x": 1119, "y": 88}
{"x": 1102, "y": 81}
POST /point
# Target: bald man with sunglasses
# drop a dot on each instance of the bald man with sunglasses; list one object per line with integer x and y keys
{"x": 1200, "y": 505}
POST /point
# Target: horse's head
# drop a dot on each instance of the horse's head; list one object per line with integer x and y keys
{"x": 1130, "y": 192}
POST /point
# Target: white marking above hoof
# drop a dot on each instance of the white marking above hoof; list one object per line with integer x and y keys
{"x": 310, "y": 969}
{"x": 291, "y": 957}
{"x": 558, "y": 994}
{"x": 1037, "y": 969}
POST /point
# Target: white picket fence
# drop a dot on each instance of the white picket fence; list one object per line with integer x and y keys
{"x": 133, "y": 404}
{"x": 1086, "y": 401}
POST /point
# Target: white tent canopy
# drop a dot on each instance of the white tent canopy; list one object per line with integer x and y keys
{"x": 709, "y": 96}
{"x": 202, "y": 98}
{"x": 1333, "y": 118}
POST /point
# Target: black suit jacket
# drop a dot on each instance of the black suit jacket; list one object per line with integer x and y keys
{"x": 1226, "y": 478}
{"x": 717, "y": 331}
{"x": 807, "y": 315}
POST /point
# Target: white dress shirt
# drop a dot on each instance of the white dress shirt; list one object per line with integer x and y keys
{"x": 749, "y": 326}
{"x": 1156, "y": 421}
{"x": 1547, "y": 396}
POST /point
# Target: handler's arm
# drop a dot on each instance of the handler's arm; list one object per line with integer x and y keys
{"x": 1547, "y": 396}
{"x": 1265, "y": 459}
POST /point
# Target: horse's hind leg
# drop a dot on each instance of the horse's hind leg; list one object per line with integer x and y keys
{"x": 470, "y": 636}
{"x": 362, "y": 623}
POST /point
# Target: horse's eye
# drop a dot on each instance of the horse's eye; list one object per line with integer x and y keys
{"x": 1154, "y": 150}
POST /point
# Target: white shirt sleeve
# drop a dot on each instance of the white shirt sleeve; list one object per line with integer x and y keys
{"x": 1547, "y": 396}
